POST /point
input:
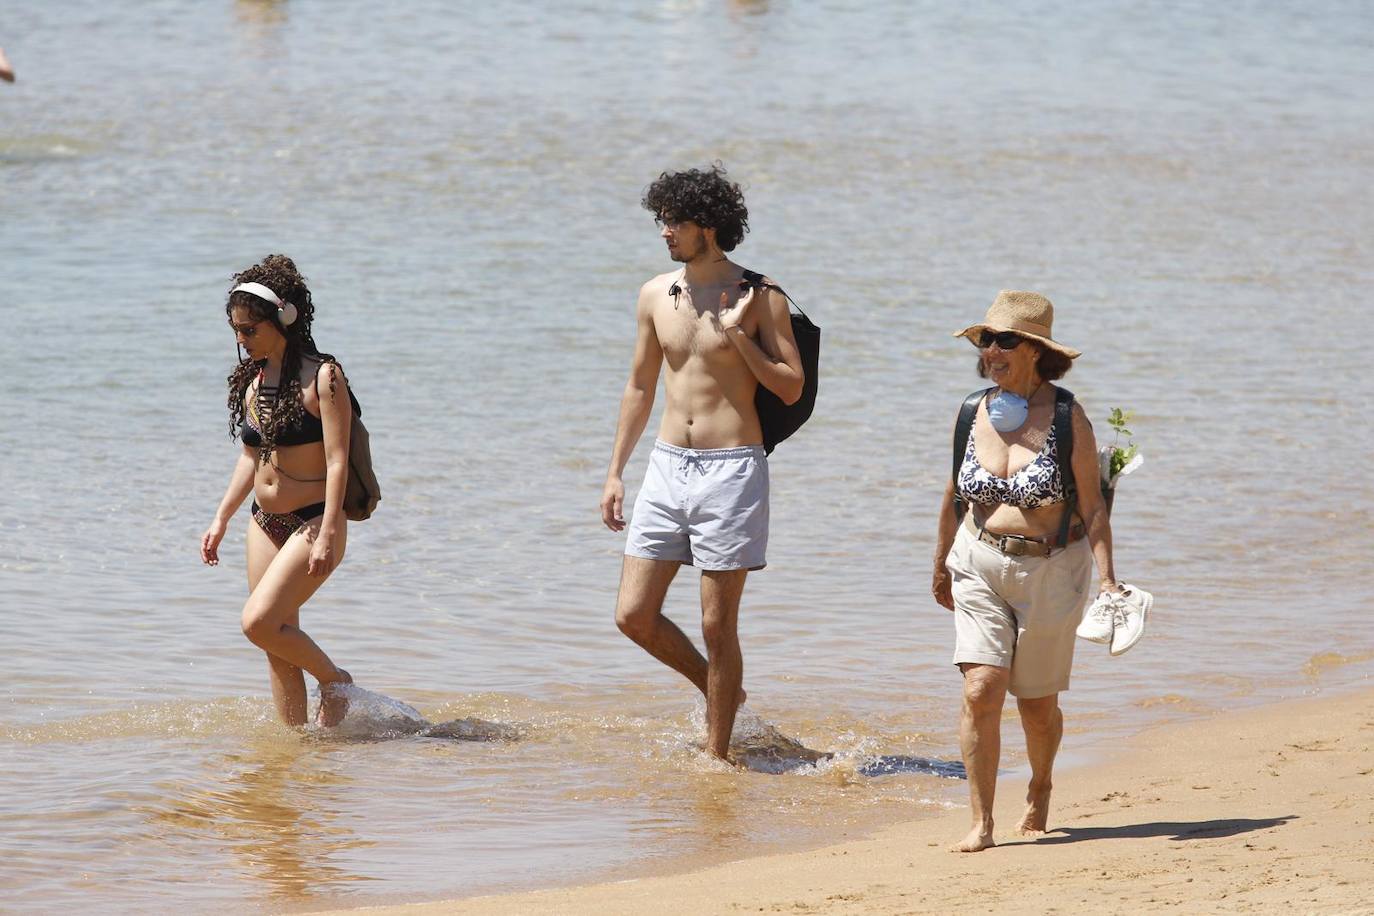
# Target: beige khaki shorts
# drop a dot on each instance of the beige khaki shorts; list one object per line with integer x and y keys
{"x": 1018, "y": 612}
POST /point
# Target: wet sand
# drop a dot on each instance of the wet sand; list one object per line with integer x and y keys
{"x": 1246, "y": 811}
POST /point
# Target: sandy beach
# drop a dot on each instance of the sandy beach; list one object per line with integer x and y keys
{"x": 1250, "y": 811}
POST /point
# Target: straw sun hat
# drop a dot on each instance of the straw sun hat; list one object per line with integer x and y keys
{"x": 1028, "y": 314}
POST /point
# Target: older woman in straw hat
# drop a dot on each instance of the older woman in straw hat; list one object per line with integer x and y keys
{"x": 1016, "y": 569}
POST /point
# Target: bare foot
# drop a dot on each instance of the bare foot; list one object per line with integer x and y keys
{"x": 977, "y": 840}
{"x": 1037, "y": 814}
{"x": 333, "y": 703}
{"x": 728, "y": 760}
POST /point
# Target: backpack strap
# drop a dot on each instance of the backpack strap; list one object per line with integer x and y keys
{"x": 1063, "y": 436}
{"x": 963, "y": 428}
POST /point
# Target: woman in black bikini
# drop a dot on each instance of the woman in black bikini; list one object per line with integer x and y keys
{"x": 289, "y": 403}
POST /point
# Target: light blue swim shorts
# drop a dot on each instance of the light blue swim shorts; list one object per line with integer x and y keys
{"x": 706, "y": 508}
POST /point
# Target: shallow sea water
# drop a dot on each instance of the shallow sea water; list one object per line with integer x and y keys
{"x": 1188, "y": 183}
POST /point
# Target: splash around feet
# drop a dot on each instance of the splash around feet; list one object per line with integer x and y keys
{"x": 333, "y": 702}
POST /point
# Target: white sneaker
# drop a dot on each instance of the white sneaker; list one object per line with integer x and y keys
{"x": 1133, "y": 605}
{"x": 1098, "y": 623}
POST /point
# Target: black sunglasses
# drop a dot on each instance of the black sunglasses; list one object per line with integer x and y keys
{"x": 1005, "y": 340}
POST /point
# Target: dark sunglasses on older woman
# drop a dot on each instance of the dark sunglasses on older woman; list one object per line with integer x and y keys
{"x": 1005, "y": 340}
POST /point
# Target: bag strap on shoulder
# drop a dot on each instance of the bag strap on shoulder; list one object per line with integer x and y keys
{"x": 963, "y": 428}
{"x": 754, "y": 278}
{"x": 1063, "y": 436}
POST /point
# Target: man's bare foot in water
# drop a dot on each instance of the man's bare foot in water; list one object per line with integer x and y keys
{"x": 1037, "y": 811}
{"x": 978, "y": 839}
{"x": 726, "y": 758}
{"x": 333, "y": 702}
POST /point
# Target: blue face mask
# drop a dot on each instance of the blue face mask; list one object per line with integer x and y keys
{"x": 1007, "y": 412}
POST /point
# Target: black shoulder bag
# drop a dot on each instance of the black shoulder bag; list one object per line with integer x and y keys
{"x": 781, "y": 420}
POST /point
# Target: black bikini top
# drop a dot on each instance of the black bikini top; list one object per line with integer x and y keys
{"x": 305, "y": 430}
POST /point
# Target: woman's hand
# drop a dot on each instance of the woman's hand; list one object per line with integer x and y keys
{"x": 322, "y": 558}
{"x": 209, "y": 542}
{"x": 942, "y": 587}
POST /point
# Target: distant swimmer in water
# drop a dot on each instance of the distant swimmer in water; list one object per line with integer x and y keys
{"x": 6, "y": 71}
{"x": 704, "y": 501}
{"x": 289, "y": 403}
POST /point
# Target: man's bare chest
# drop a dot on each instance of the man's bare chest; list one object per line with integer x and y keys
{"x": 685, "y": 330}
{"x": 690, "y": 334}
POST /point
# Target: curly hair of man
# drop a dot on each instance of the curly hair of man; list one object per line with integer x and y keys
{"x": 703, "y": 196}
{"x": 278, "y": 273}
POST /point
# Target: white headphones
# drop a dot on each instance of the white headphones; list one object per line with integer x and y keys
{"x": 286, "y": 312}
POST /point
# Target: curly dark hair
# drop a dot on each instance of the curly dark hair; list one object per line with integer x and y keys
{"x": 278, "y": 273}
{"x": 706, "y": 198}
{"x": 1051, "y": 366}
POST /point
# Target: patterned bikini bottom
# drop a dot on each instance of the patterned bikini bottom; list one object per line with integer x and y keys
{"x": 279, "y": 526}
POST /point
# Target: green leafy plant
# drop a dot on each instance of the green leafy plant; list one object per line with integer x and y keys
{"x": 1121, "y": 456}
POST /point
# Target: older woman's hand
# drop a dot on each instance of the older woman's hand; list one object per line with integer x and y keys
{"x": 941, "y": 587}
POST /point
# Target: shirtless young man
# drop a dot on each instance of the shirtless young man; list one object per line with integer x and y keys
{"x": 704, "y": 501}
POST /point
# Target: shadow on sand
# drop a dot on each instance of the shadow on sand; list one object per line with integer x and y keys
{"x": 1174, "y": 830}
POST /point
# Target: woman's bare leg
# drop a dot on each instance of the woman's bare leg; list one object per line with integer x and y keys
{"x": 287, "y": 680}
{"x": 980, "y": 739}
{"x": 271, "y": 621}
{"x": 1043, "y": 723}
